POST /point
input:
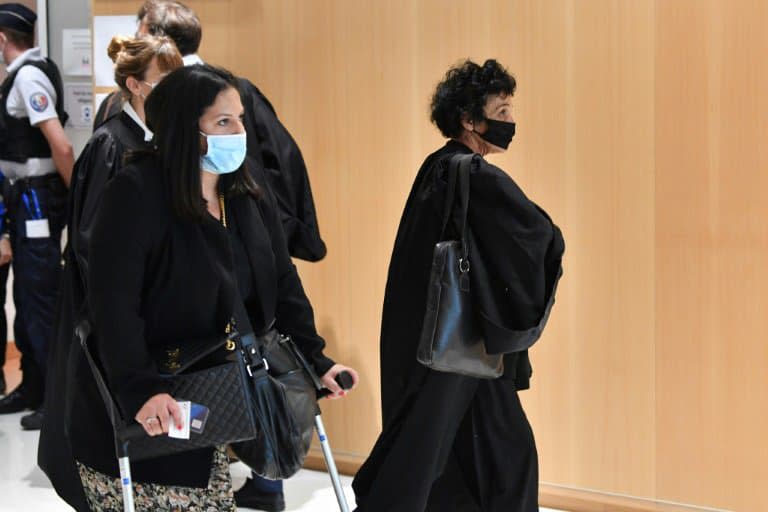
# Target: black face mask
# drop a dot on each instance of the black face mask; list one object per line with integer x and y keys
{"x": 499, "y": 133}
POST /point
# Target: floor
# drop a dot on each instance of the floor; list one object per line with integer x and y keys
{"x": 24, "y": 487}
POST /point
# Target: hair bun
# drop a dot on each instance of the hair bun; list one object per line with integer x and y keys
{"x": 117, "y": 45}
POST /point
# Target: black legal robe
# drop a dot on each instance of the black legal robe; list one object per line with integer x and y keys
{"x": 100, "y": 160}
{"x": 451, "y": 442}
{"x": 271, "y": 145}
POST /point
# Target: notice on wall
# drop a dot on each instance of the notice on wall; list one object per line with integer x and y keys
{"x": 78, "y": 102}
{"x": 104, "y": 29}
{"x": 77, "y": 53}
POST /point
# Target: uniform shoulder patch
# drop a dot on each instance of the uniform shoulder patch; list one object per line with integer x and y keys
{"x": 38, "y": 101}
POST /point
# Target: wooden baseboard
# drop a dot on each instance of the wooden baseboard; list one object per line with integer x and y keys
{"x": 550, "y": 495}
{"x": 581, "y": 500}
{"x": 347, "y": 464}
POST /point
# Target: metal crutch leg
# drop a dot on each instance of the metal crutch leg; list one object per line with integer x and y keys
{"x": 123, "y": 437}
{"x": 331, "y": 464}
{"x": 125, "y": 477}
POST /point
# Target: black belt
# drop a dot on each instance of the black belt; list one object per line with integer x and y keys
{"x": 35, "y": 181}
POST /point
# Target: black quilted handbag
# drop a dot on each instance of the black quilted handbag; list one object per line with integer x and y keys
{"x": 245, "y": 401}
{"x": 222, "y": 385}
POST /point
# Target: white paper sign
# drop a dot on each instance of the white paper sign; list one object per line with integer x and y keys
{"x": 77, "y": 52}
{"x": 104, "y": 29}
{"x": 78, "y": 102}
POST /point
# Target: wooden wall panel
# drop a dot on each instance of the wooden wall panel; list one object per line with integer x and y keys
{"x": 712, "y": 244}
{"x": 641, "y": 129}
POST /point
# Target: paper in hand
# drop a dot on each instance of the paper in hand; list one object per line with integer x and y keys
{"x": 183, "y": 432}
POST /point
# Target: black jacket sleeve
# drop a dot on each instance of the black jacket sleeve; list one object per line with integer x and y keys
{"x": 515, "y": 255}
{"x": 293, "y": 315}
{"x": 96, "y": 166}
{"x": 120, "y": 239}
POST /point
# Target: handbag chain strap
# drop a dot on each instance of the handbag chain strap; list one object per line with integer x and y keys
{"x": 223, "y": 217}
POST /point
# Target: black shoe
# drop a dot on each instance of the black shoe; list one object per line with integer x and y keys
{"x": 33, "y": 421}
{"x": 19, "y": 400}
{"x": 249, "y": 496}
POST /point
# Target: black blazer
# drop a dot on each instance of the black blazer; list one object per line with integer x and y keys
{"x": 156, "y": 281}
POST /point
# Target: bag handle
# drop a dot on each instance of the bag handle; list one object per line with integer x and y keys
{"x": 459, "y": 168}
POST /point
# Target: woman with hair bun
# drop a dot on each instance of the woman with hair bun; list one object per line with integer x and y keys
{"x": 140, "y": 63}
{"x": 452, "y": 442}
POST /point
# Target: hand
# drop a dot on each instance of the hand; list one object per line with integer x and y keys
{"x": 6, "y": 253}
{"x": 330, "y": 383}
{"x": 157, "y": 413}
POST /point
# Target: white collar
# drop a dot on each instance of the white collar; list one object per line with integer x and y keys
{"x": 128, "y": 109}
{"x": 192, "y": 59}
{"x": 30, "y": 54}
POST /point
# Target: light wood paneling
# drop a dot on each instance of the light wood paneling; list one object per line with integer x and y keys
{"x": 712, "y": 246}
{"x": 641, "y": 129}
{"x": 591, "y": 162}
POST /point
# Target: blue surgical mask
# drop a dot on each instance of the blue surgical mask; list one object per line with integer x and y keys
{"x": 226, "y": 153}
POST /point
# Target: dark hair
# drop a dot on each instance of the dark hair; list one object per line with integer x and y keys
{"x": 19, "y": 39}
{"x": 464, "y": 92}
{"x": 175, "y": 20}
{"x": 173, "y": 110}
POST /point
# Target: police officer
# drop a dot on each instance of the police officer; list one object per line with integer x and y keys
{"x": 36, "y": 157}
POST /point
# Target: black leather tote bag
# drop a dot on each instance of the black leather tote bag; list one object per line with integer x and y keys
{"x": 451, "y": 338}
{"x": 278, "y": 450}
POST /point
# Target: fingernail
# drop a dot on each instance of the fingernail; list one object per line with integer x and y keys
{"x": 178, "y": 427}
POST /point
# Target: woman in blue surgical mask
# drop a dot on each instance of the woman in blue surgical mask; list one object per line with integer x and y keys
{"x": 182, "y": 233}
{"x": 139, "y": 63}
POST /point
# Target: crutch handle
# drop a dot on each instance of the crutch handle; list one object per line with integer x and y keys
{"x": 343, "y": 379}
{"x": 131, "y": 432}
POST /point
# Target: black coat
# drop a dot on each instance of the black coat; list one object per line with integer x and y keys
{"x": 515, "y": 252}
{"x": 271, "y": 145}
{"x": 99, "y": 161}
{"x": 154, "y": 281}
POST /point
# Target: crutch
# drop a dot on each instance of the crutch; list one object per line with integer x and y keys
{"x": 124, "y": 433}
{"x": 344, "y": 379}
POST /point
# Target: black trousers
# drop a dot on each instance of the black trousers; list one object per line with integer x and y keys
{"x": 36, "y": 272}
{"x": 460, "y": 445}
{"x": 3, "y": 319}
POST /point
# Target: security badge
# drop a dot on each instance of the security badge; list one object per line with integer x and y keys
{"x": 37, "y": 226}
{"x": 38, "y": 101}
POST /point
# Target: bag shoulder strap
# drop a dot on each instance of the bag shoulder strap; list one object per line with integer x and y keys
{"x": 459, "y": 168}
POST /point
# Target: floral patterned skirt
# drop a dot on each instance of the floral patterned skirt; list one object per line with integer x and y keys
{"x": 105, "y": 494}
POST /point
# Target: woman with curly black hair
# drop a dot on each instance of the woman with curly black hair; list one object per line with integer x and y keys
{"x": 452, "y": 442}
